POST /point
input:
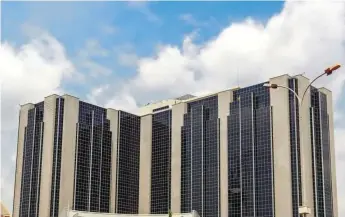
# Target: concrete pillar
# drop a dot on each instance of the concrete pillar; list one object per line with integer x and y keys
{"x": 332, "y": 149}
{"x": 69, "y": 145}
{"x": 23, "y": 120}
{"x": 178, "y": 111}
{"x": 113, "y": 117}
{"x": 305, "y": 145}
{"x": 281, "y": 147}
{"x": 145, "y": 164}
{"x": 224, "y": 100}
{"x": 47, "y": 155}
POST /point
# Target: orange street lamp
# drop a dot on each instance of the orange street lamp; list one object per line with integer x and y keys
{"x": 304, "y": 210}
{"x": 330, "y": 70}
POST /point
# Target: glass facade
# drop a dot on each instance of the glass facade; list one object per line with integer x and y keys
{"x": 32, "y": 161}
{"x": 57, "y": 147}
{"x": 250, "y": 158}
{"x": 326, "y": 158}
{"x": 128, "y": 158}
{"x": 322, "y": 178}
{"x": 93, "y": 160}
{"x": 234, "y": 161}
{"x": 200, "y": 158}
{"x": 186, "y": 165}
{"x": 295, "y": 156}
{"x": 161, "y": 162}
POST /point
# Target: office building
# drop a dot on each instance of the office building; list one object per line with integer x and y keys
{"x": 252, "y": 151}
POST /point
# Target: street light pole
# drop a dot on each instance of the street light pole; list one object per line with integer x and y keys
{"x": 303, "y": 210}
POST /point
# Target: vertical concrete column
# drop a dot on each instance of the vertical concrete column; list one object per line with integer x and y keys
{"x": 281, "y": 147}
{"x": 23, "y": 121}
{"x": 305, "y": 145}
{"x": 224, "y": 100}
{"x": 113, "y": 117}
{"x": 68, "y": 152}
{"x": 332, "y": 149}
{"x": 178, "y": 110}
{"x": 145, "y": 164}
{"x": 47, "y": 154}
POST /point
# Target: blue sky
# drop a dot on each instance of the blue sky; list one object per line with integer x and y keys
{"x": 124, "y": 54}
{"x": 142, "y": 25}
{"x": 72, "y": 21}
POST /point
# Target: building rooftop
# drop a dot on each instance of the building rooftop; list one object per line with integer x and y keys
{"x": 185, "y": 97}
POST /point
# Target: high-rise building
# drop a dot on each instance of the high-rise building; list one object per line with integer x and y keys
{"x": 253, "y": 152}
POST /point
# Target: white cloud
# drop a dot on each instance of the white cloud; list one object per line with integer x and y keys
{"x": 28, "y": 73}
{"x": 127, "y": 59}
{"x": 87, "y": 59}
{"x": 126, "y": 55}
{"x": 109, "y": 30}
{"x": 303, "y": 37}
{"x": 123, "y": 101}
{"x": 142, "y": 7}
{"x": 93, "y": 49}
{"x": 97, "y": 92}
{"x": 94, "y": 69}
{"x": 189, "y": 19}
{"x": 340, "y": 165}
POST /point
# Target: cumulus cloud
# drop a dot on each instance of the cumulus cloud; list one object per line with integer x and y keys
{"x": 96, "y": 93}
{"x": 303, "y": 37}
{"x": 189, "y": 19}
{"x": 27, "y": 73}
{"x": 142, "y": 7}
{"x": 339, "y": 135}
{"x": 289, "y": 42}
{"x": 250, "y": 51}
{"x": 93, "y": 49}
{"x": 88, "y": 56}
{"x": 123, "y": 101}
{"x": 127, "y": 59}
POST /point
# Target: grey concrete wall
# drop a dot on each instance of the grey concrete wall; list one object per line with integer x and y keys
{"x": 69, "y": 142}
{"x": 281, "y": 147}
{"x": 47, "y": 154}
{"x": 23, "y": 121}
{"x": 113, "y": 116}
{"x": 224, "y": 99}
{"x": 145, "y": 164}
{"x": 305, "y": 145}
{"x": 332, "y": 148}
{"x": 178, "y": 111}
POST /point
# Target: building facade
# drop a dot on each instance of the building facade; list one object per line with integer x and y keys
{"x": 243, "y": 152}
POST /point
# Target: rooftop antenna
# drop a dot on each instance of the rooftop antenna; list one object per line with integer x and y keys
{"x": 302, "y": 74}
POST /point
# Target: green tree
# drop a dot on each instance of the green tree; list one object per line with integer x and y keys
{"x": 170, "y": 213}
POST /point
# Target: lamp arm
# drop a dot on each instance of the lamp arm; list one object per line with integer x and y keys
{"x": 305, "y": 91}
{"x": 296, "y": 95}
